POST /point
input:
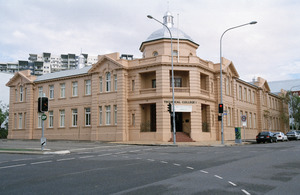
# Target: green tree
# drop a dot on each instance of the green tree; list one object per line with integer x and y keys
{"x": 293, "y": 100}
{"x": 3, "y": 112}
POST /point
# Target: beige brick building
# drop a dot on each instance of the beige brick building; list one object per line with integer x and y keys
{"x": 120, "y": 99}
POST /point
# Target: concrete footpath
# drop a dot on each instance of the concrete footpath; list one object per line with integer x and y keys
{"x": 65, "y": 147}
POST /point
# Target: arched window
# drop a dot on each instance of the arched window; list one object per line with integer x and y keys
{"x": 155, "y": 53}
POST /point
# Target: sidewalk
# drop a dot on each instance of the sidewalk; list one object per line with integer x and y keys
{"x": 65, "y": 147}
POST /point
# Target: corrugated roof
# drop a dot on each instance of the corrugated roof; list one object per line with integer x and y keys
{"x": 61, "y": 74}
{"x": 287, "y": 85}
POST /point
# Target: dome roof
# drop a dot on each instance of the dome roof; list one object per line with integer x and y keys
{"x": 163, "y": 33}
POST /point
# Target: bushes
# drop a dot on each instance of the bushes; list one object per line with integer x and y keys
{"x": 3, "y": 133}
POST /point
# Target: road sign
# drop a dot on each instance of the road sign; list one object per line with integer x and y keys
{"x": 43, "y": 141}
{"x": 244, "y": 120}
{"x": 44, "y": 117}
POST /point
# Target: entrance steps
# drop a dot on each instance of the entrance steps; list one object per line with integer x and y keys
{"x": 182, "y": 137}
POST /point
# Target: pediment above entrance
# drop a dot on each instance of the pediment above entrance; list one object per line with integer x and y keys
{"x": 105, "y": 64}
{"x": 21, "y": 78}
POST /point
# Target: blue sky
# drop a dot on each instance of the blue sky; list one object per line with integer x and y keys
{"x": 269, "y": 49}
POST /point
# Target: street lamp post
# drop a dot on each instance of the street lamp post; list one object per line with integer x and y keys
{"x": 173, "y": 98}
{"x": 221, "y": 61}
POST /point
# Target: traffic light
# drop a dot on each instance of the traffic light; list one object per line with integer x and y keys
{"x": 43, "y": 104}
{"x": 220, "y": 118}
{"x": 169, "y": 108}
{"x": 221, "y": 108}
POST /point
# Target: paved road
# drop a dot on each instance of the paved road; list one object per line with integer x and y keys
{"x": 97, "y": 168}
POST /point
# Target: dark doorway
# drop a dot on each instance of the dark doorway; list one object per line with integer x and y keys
{"x": 178, "y": 121}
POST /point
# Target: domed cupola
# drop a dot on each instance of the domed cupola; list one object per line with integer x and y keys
{"x": 163, "y": 33}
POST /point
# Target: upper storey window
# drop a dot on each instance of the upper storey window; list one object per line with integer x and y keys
{"x": 108, "y": 82}
{"x": 21, "y": 93}
{"x": 155, "y": 53}
{"x": 40, "y": 91}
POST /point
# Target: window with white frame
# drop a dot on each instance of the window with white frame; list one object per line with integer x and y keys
{"x": 254, "y": 120}
{"x": 116, "y": 82}
{"x": 50, "y": 119}
{"x": 115, "y": 114}
{"x": 87, "y": 116}
{"x": 62, "y": 118}
{"x": 74, "y": 117}
{"x": 108, "y": 82}
{"x": 100, "y": 84}
{"x": 250, "y": 120}
{"x": 51, "y": 91}
{"x": 40, "y": 120}
{"x": 88, "y": 87}
{"x": 21, "y": 93}
{"x": 20, "y": 120}
{"x": 62, "y": 90}
{"x": 100, "y": 115}
{"x": 108, "y": 115}
{"x": 74, "y": 88}
{"x": 40, "y": 91}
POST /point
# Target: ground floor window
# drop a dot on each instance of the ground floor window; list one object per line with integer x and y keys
{"x": 87, "y": 116}
{"x": 148, "y": 123}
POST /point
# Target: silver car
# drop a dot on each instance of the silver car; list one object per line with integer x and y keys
{"x": 293, "y": 135}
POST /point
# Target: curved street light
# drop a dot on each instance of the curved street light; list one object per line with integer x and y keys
{"x": 173, "y": 98}
{"x": 221, "y": 61}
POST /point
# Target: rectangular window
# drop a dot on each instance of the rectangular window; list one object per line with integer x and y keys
{"x": 245, "y": 94}
{"x": 108, "y": 119}
{"x": 24, "y": 120}
{"x": 50, "y": 119}
{"x": 240, "y": 92}
{"x": 240, "y": 119}
{"x": 154, "y": 83}
{"x": 132, "y": 85}
{"x": 246, "y": 114}
{"x": 108, "y": 82}
{"x": 74, "y": 88}
{"x": 62, "y": 90}
{"x": 62, "y": 118}
{"x": 249, "y": 95}
{"x": 40, "y": 91}
{"x": 74, "y": 117}
{"x": 40, "y": 120}
{"x": 51, "y": 91}
{"x": 177, "y": 82}
{"x": 20, "y": 120}
{"x": 100, "y": 84}
{"x": 250, "y": 120}
{"x": 88, "y": 87}
{"x": 87, "y": 117}
{"x": 253, "y": 97}
{"x": 254, "y": 120}
{"x": 25, "y": 95}
{"x": 133, "y": 119}
{"x": 228, "y": 117}
{"x": 16, "y": 95}
{"x": 21, "y": 93}
{"x": 115, "y": 114}
{"x": 100, "y": 115}
{"x": 116, "y": 82}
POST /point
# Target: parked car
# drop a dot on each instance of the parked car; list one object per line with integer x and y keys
{"x": 293, "y": 135}
{"x": 266, "y": 136}
{"x": 280, "y": 136}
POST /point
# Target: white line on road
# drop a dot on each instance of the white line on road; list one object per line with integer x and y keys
{"x": 65, "y": 159}
{"x": 105, "y": 154}
{"x": 217, "y": 176}
{"x": 86, "y": 157}
{"x": 134, "y": 150}
{"x": 176, "y": 164}
{"x": 164, "y": 162}
{"x": 12, "y": 166}
{"x": 22, "y": 159}
{"x": 232, "y": 183}
{"x": 246, "y": 192}
{"x": 190, "y": 168}
{"x": 150, "y": 160}
{"x": 204, "y": 171}
{"x": 41, "y": 162}
{"x": 120, "y": 153}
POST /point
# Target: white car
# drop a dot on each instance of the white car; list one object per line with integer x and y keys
{"x": 280, "y": 136}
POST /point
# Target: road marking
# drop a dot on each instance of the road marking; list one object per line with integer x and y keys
{"x": 120, "y": 153}
{"x": 217, "y": 176}
{"x": 148, "y": 149}
{"x": 12, "y": 166}
{"x": 41, "y": 162}
{"x": 176, "y": 164}
{"x": 190, "y": 168}
{"x": 150, "y": 160}
{"x": 246, "y": 192}
{"x": 86, "y": 157}
{"x": 64, "y": 159}
{"x": 22, "y": 159}
{"x": 232, "y": 183}
{"x": 105, "y": 154}
{"x": 164, "y": 162}
{"x": 204, "y": 171}
{"x": 134, "y": 150}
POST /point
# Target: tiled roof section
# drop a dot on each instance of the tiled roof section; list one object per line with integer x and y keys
{"x": 287, "y": 85}
{"x": 61, "y": 74}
